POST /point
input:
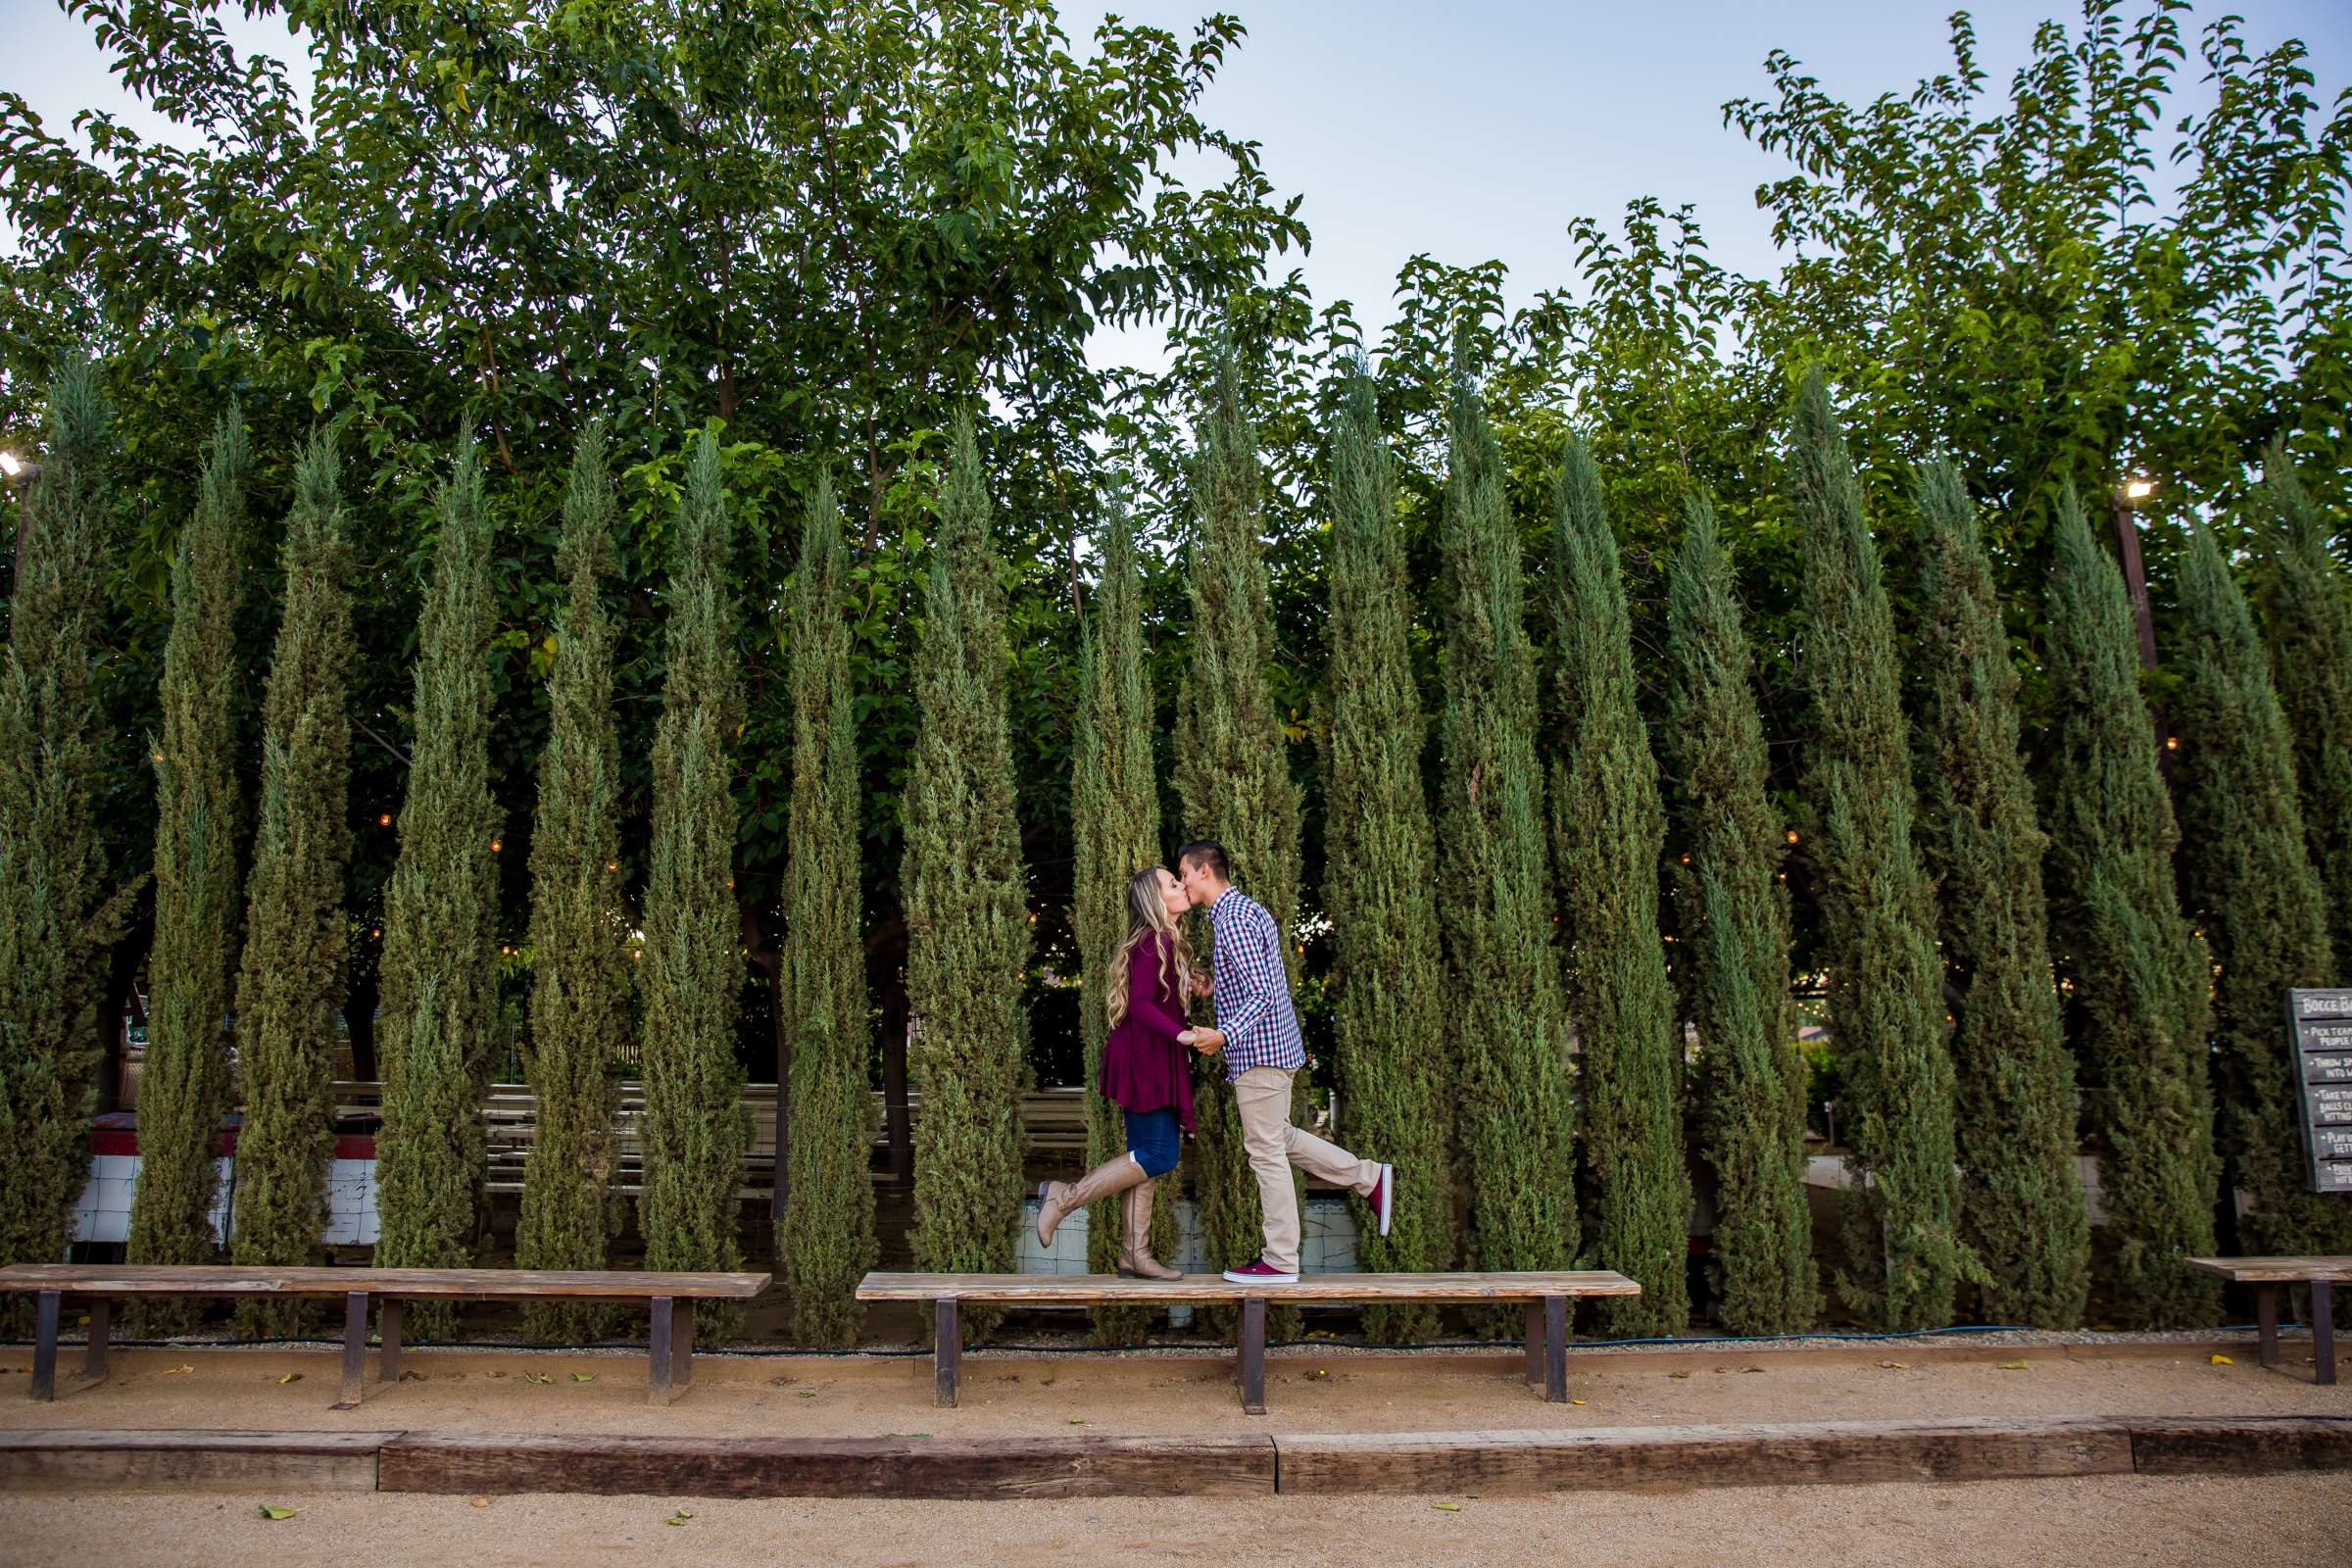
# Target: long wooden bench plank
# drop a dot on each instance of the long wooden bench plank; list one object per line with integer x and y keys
{"x": 2280, "y": 1270}
{"x": 1596, "y": 1457}
{"x": 76, "y": 1460}
{"x": 127, "y": 1278}
{"x": 2256, "y": 1444}
{"x": 1093, "y": 1289}
{"x": 820, "y": 1467}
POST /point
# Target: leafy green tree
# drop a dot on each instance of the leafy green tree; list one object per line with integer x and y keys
{"x": 1877, "y": 906}
{"x": 184, "y": 1088}
{"x": 2021, "y": 1202}
{"x": 827, "y": 1238}
{"x": 2136, "y": 977}
{"x": 1608, "y": 832}
{"x": 440, "y": 912}
{"x": 2251, "y": 885}
{"x": 1115, "y": 820}
{"x": 1232, "y": 770}
{"x": 1734, "y": 916}
{"x": 1380, "y": 879}
{"x": 2306, "y": 618}
{"x": 696, "y": 1129}
{"x": 1516, "y": 1117}
{"x": 968, "y": 937}
{"x": 58, "y": 913}
{"x": 580, "y": 985}
{"x": 291, "y": 982}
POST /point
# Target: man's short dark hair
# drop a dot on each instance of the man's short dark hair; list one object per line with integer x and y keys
{"x": 1209, "y": 854}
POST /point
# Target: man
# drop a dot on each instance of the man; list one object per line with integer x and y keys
{"x": 1258, "y": 1030}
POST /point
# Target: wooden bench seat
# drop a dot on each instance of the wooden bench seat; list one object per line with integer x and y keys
{"x": 672, "y": 1298}
{"x": 2266, "y": 1275}
{"x": 1547, "y": 1298}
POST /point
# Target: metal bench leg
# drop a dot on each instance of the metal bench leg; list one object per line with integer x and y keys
{"x": 1253, "y": 1355}
{"x": 387, "y": 1324}
{"x": 2265, "y": 1322}
{"x": 44, "y": 1346}
{"x": 659, "y": 1351}
{"x": 1555, "y": 1349}
{"x": 682, "y": 1348}
{"x": 355, "y": 1350}
{"x": 102, "y": 1324}
{"x": 1535, "y": 1342}
{"x": 2322, "y": 1332}
{"x": 947, "y": 1353}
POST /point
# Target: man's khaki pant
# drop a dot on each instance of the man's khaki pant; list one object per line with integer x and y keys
{"x": 1264, "y": 1095}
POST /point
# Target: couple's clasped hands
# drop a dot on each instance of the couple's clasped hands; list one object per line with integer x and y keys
{"x": 1207, "y": 1042}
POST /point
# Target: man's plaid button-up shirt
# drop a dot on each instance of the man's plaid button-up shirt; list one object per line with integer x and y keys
{"x": 1253, "y": 989}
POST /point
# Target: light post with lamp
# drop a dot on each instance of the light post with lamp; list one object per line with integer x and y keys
{"x": 2136, "y": 575}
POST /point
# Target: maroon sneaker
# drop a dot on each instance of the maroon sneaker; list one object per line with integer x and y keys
{"x": 1260, "y": 1272}
{"x": 1383, "y": 1198}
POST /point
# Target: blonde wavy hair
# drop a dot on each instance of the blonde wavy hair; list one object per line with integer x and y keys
{"x": 1148, "y": 914}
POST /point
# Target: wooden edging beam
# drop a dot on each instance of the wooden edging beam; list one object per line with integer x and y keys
{"x": 1486, "y": 1463}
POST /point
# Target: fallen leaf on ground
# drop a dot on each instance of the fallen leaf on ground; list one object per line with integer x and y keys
{"x": 1678, "y": 1374}
{"x": 808, "y": 1394}
{"x": 1077, "y": 1420}
{"x": 1576, "y": 1401}
{"x": 1751, "y": 1370}
{"x": 2223, "y": 1360}
{"x": 678, "y": 1518}
{"x": 1895, "y": 1366}
{"x": 174, "y": 1371}
{"x": 291, "y": 1377}
{"x": 2013, "y": 1366}
{"x": 481, "y": 1503}
{"x": 1446, "y": 1507}
{"x": 1318, "y": 1373}
{"x": 270, "y": 1510}
{"x": 583, "y": 1377}
{"x": 537, "y": 1377}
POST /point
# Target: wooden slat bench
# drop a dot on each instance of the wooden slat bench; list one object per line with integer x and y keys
{"x": 1546, "y": 1296}
{"x": 2266, "y": 1275}
{"x": 671, "y": 1353}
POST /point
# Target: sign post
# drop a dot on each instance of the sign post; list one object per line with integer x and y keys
{"x": 2320, "y": 1025}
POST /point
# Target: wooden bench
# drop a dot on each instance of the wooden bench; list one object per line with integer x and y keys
{"x": 672, "y": 1352}
{"x": 2266, "y": 1275}
{"x": 1547, "y": 1298}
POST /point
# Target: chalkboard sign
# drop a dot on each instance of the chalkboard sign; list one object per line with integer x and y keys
{"x": 2320, "y": 1022}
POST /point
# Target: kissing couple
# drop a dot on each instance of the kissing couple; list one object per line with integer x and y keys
{"x": 1153, "y": 977}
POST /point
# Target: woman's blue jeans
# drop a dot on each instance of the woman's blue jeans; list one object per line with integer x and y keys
{"x": 1152, "y": 1138}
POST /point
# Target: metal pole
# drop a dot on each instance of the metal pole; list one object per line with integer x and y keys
{"x": 2135, "y": 579}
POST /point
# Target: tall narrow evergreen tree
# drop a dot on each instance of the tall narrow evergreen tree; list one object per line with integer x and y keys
{"x": 1878, "y": 909}
{"x": 826, "y": 1241}
{"x": 1495, "y": 891}
{"x": 2021, "y": 1202}
{"x": 967, "y": 935}
{"x": 2307, "y": 615}
{"x": 1609, "y": 835}
{"x": 1233, "y": 768}
{"x": 2251, "y": 884}
{"x": 1734, "y": 916}
{"x": 580, "y": 988}
{"x": 1115, "y": 822}
{"x": 1380, "y": 882}
{"x": 439, "y": 993}
{"x": 60, "y": 908}
{"x": 696, "y": 1129}
{"x": 291, "y": 982}
{"x": 2136, "y": 976}
{"x": 184, "y": 1088}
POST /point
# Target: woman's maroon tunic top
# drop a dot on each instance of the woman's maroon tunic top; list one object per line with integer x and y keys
{"x": 1144, "y": 1063}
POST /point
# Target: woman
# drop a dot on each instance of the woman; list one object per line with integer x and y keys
{"x": 1145, "y": 1071}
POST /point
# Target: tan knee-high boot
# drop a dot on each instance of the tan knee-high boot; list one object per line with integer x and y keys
{"x": 1113, "y": 1176}
{"x": 1135, "y": 1256}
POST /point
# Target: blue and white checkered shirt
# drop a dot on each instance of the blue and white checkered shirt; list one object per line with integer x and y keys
{"x": 1253, "y": 990}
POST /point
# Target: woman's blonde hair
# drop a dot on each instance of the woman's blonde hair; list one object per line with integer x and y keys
{"x": 1148, "y": 914}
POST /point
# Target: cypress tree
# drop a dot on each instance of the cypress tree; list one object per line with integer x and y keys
{"x": 2136, "y": 977}
{"x": 1878, "y": 911}
{"x": 291, "y": 982}
{"x": 2251, "y": 884}
{"x": 1609, "y": 834}
{"x": 967, "y": 937}
{"x": 696, "y": 1129}
{"x": 826, "y": 1243}
{"x": 184, "y": 1090}
{"x": 440, "y": 912}
{"x": 579, "y": 990}
{"x": 1233, "y": 770}
{"x": 1735, "y": 914}
{"x": 1380, "y": 882}
{"x": 58, "y": 915}
{"x": 1516, "y": 1128}
{"x": 1115, "y": 820}
{"x": 2308, "y": 618}
{"x": 2021, "y": 1201}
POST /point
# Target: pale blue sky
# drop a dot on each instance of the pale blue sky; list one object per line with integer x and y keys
{"x": 1470, "y": 131}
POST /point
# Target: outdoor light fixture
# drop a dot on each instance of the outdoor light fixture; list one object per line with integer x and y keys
{"x": 2139, "y": 489}
{"x": 11, "y": 465}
